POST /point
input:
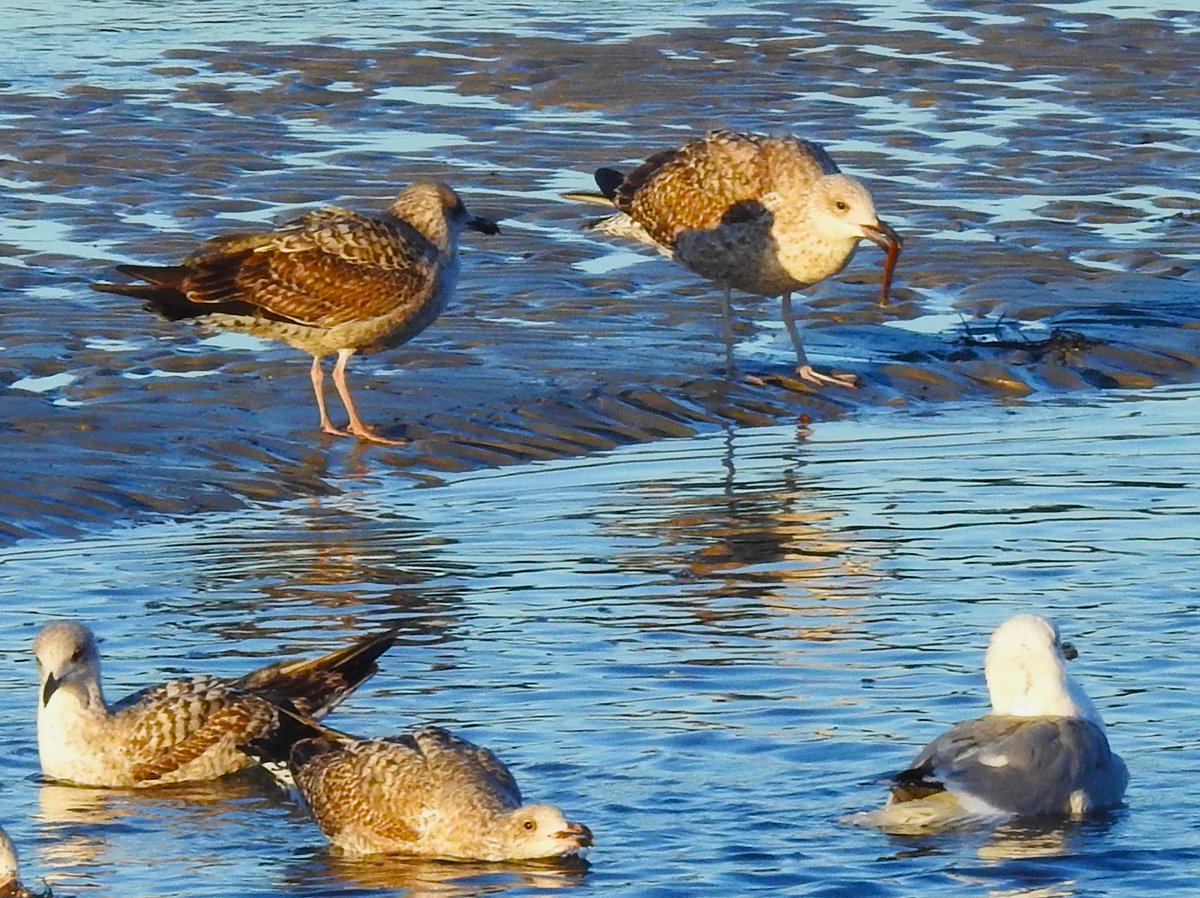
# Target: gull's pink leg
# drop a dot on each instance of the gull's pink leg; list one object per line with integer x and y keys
{"x": 356, "y": 428}
{"x": 803, "y": 368}
{"x": 318, "y": 382}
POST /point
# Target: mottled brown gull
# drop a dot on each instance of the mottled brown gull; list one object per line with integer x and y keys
{"x": 332, "y": 281}
{"x": 426, "y": 793}
{"x": 1041, "y": 752}
{"x": 766, "y": 215}
{"x": 179, "y": 731}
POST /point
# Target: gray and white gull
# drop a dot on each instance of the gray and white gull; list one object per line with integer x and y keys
{"x": 1042, "y": 751}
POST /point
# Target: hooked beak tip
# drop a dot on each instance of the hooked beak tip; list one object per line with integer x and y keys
{"x": 881, "y": 233}
{"x": 578, "y": 833}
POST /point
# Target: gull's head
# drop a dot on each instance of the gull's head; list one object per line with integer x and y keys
{"x": 434, "y": 209}
{"x": 1026, "y": 673}
{"x": 842, "y": 208}
{"x": 540, "y": 831}
{"x": 67, "y": 661}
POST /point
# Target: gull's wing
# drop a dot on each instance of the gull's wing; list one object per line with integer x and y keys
{"x": 1019, "y": 765}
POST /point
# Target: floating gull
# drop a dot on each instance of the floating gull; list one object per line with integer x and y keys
{"x": 767, "y": 215}
{"x": 332, "y": 281}
{"x": 181, "y": 730}
{"x": 1041, "y": 751}
{"x": 426, "y": 793}
{"x": 10, "y": 872}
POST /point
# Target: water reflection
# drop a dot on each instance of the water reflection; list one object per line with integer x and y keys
{"x": 426, "y": 878}
{"x": 769, "y": 536}
{"x": 88, "y": 834}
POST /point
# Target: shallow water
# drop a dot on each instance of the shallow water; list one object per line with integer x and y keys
{"x": 1039, "y": 160}
{"x": 709, "y": 649}
{"x": 703, "y": 616}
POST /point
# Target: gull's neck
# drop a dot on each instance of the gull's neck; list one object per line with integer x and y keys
{"x": 1037, "y": 689}
{"x": 76, "y": 700}
{"x": 73, "y": 733}
{"x": 429, "y": 218}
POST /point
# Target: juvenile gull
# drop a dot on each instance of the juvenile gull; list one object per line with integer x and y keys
{"x": 10, "y": 872}
{"x": 1042, "y": 751}
{"x": 332, "y": 281}
{"x": 767, "y": 215}
{"x": 181, "y": 730}
{"x": 425, "y": 793}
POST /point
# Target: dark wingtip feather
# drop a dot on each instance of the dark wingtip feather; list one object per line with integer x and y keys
{"x": 915, "y": 783}
{"x": 275, "y": 746}
{"x": 608, "y": 180}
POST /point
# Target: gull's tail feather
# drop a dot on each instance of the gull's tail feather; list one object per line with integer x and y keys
{"x": 162, "y": 291}
{"x": 282, "y": 748}
{"x": 314, "y": 687}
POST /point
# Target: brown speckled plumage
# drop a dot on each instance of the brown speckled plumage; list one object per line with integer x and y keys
{"x": 180, "y": 731}
{"x": 332, "y": 281}
{"x": 425, "y": 793}
{"x": 767, "y": 215}
{"x": 694, "y": 187}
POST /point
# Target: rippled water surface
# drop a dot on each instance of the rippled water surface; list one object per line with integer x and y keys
{"x": 703, "y": 615}
{"x": 708, "y": 649}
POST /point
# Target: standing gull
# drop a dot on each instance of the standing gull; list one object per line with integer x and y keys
{"x": 332, "y": 281}
{"x": 767, "y": 215}
{"x": 179, "y": 731}
{"x": 426, "y": 793}
{"x": 1042, "y": 750}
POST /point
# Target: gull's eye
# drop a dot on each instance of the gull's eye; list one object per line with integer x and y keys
{"x": 77, "y": 655}
{"x": 530, "y": 825}
{"x": 841, "y": 206}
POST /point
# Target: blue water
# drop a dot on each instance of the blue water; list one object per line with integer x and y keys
{"x": 709, "y": 650}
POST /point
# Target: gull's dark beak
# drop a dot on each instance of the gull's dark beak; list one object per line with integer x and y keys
{"x": 581, "y": 835}
{"x": 49, "y": 688}
{"x": 882, "y": 234}
{"x": 483, "y": 225}
{"x": 1069, "y": 651}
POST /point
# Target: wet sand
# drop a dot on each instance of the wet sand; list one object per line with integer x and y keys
{"x": 1051, "y": 241}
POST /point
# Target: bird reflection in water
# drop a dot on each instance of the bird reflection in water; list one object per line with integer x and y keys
{"x": 768, "y": 538}
{"x": 431, "y": 878}
{"x": 90, "y": 834}
{"x": 1016, "y": 841}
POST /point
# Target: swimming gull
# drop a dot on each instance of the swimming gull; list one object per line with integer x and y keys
{"x": 767, "y": 215}
{"x": 1042, "y": 751}
{"x": 332, "y": 281}
{"x": 10, "y": 871}
{"x": 426, "y": 793}
{"x": 182, "y": 730}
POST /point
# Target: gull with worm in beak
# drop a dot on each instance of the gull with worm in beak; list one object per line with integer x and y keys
{"x": 767, "y": 215}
